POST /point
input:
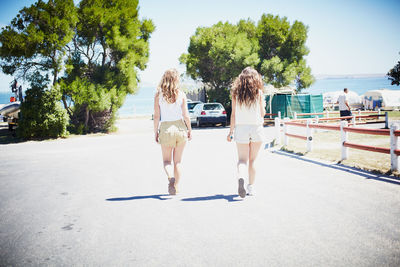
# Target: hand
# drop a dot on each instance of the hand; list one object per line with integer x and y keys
{"x": 229, "y": 138}
{"x": 156, "y": 135}
{"x": 189, "y": 135}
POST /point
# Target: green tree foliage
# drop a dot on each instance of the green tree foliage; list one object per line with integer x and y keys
{"x": 32, "y": 46}
{"x": 219, "y": 53}
{"x": 36, "y": 39}
{"x": 276, "y": 48}
{"x": 98, "y": 46}
{"x": 282, "y": 51}
{"x": 42, "y": 113}
{"x": 110, "y": 45}
{"x": 394, "y": 74}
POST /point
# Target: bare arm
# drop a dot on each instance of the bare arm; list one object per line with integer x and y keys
{"x": 156, "y": 116}
{"x": 186, "y": 117}
{"x": 347, "y": 104}
{"x": 262, "y": 105}
{"x": 233, "y": 118}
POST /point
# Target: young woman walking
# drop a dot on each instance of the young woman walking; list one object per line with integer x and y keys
{"x": 247, "y": 119}
{"x": 170, "y": 108}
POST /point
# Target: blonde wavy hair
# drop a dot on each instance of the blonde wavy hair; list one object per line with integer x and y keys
{"x": 169, "y": 85}
{"x": 245, "y": 88}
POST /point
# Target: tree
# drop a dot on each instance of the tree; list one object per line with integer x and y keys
{"x": 282, "y": 51}
{"x": 36, "y": 39}
{"x": 110, "y": 45}
{"x": 98, "y": 46}
{"x": 218, "y": 53}
{"x": 394, "y": 74}
{"x": 42, "y": 113}
{"x": 32, "y": 47}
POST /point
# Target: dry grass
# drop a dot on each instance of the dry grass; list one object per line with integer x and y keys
{"x": 327, "y": 146}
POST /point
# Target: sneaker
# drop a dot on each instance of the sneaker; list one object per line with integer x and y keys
{"x": 250, "y": 190}
{"x": 171, "y": 187}
{"x": 241, "y": 190}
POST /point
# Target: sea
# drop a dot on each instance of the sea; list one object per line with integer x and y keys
{"x": 142, "y": 102}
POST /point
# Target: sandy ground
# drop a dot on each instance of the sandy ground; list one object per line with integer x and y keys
{"x": 101, "y": 201}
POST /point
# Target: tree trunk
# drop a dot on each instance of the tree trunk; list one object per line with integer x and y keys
{"x": 86, "y": 116}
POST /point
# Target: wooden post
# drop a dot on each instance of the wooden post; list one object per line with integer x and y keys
{"x": 394, "y": 145}
{"x": 278, "y": 130}
{"x": 295, "y": 115}
{"x": 386, "y": 120}
{"x": 309, "y": 135}
{"x": 379, "y": 111}
{"x": 353, "y": 120}
{"x": 327, "y": 113}
{"x": 345, "y": 150}
{"x": 279, "y": 115}
{"x": 285, "y": 130}
{"x": 359, "y": 114}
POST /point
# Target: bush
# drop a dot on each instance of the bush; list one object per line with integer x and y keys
{"x": 42, "y": 115}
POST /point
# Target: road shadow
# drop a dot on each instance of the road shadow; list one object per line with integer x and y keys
{"x": 229, "y": 198}
{"x": 352, "y": 170}
{"x": 158, "y": 197}
{"x": 7, "y": 136}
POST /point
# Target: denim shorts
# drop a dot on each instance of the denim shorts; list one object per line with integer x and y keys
{"x": 245, "y": 134}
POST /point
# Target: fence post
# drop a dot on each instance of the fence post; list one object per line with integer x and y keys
{"x": 327, "y": 113}
{"x": 295, "y": 115}
{"x": 344, "y": 134}
{"x": 279, "y": 115}
{"x": 285, "y": 129}
{"x": 359, "y": 114}
{"x": 278, "y": 130}
{"x": 353, "y": 120}
{"x": 309, "y": 136}
{"x": 386, "y": 120}
{"x": 379, "y": 111}
{"x": 394, "y": 145}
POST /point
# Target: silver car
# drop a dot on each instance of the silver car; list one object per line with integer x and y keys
{"x": 209, "y": 113}
{"x": 191, "y": 105}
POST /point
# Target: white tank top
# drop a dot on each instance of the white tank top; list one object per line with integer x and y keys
{"x": 248, "y": 115}
{"x": 171, "y": 112}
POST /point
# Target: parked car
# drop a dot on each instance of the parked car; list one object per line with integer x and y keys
{"x": 209, "y": 113}
{"x": 191, "y": 106}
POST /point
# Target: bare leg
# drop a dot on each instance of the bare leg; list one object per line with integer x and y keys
{"x": 178, "y": 153}
{"x": 167, "y": 159}
{"x": 253, "y": 153}
{"x": 243, "y": 158}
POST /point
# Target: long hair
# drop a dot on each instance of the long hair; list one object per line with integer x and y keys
{"x": 169, "y": 85}
{"x": 246, "y": 87}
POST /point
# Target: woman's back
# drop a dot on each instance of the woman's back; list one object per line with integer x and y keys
{"x": 171, "y": 111}
{"x": 248, "y": 115}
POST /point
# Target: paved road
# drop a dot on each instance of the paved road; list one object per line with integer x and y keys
{"x": 101, "y": 201}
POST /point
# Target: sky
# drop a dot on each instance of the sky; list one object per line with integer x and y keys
{"x": 344, "y": 37}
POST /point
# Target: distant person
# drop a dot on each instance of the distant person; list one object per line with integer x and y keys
{"x": 344, "y": 107}
{"x": 20, "y": 97}
{"x": 247, "y": 119}
{"x": 14, "y": 86}
{"x": 170, "y": 107}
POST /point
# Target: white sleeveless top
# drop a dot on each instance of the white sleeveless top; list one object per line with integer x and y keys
{"x": 171, "y": 112}
{"x": 248, "y": 115}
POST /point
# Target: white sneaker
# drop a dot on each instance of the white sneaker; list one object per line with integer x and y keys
{"x": 250, "y": 190}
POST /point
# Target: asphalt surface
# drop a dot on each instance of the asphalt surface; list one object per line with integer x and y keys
{"x": 102, "y": 201}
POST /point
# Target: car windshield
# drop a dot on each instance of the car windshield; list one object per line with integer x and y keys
{"x": 192, "y": 105}
{"x": 212, "y": 107}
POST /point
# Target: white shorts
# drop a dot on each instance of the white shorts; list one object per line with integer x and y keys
{"x": 245, "y": 134}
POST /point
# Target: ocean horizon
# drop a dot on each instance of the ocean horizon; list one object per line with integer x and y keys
{"x": 142, "y": 102}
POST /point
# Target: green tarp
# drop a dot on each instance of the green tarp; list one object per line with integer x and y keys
{"x": 288, "y": 104}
